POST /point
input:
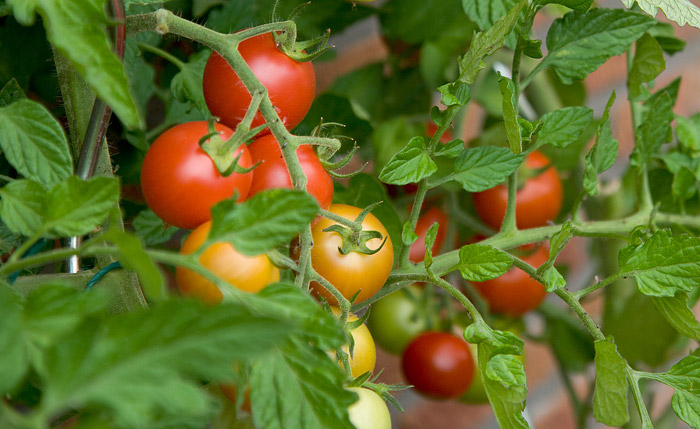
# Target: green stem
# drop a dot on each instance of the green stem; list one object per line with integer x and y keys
{"x": 594, "y": 287}
{"x": 540, "y": 66}
{"x": 509, "y": 226}
{"x": 22, "y": 249}
{"x": 459, "y": 296}
{"x": 161, "y": 53}
{"x": 633, "y": 378}
{"x": 413, "y": 220}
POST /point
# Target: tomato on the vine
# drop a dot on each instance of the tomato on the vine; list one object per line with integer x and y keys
{"x": 354, "y": 272}
{"x": 272, "y": 171}
{"x": 396, "y": 319}
{"x": 438, "y": 364}
{"x": 246, "y": 273}
{"x": 515, "y": 292}
{"x": 425, "y": 221}
{"x": 180, "y": 181}
{"x": 364, "y": 353}
{"x": 370, "y": 410}
{"x": 537, "y": 201}
{"x": 291, "y": 85}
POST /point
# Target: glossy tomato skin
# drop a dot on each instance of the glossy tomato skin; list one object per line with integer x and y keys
{"x": 438, "y": 364}
{"x": 395, "y": 320}
{"x": 515, "y": 292}
{"x": 364, "y": 352}
{"x": 180, "y": 181}
{"x": 370, "y": 410}
{"x": 246, "y": 273}
{"x": 354, "y": 271}
{"x": 291, "y": 85}
{"x": 272, "y": 171}
{"x": 425, "y": 221}
{"x": 538, "y": 201}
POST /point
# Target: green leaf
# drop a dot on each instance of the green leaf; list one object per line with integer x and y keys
{"x": 76, "y": 207}
{"x": 611, "y": 386}
{"x": 454, "y": 94}
{"x": 684, "y": 184}
{"x": 450, "y": 149}
{"x": 21, "y": 206}
{"x": 684, "y": 377}
{"x": 12, "y": 353}
{"x": 564, "y": 126}
{"x": 187, "y": 84}
{"x": 576, "y": 5}
{"x": 408, "y": 236}
{"x": 77, "y": 29}
{"x": 263, "y": 222}
{"x": 430, "y": 236}
{"x": 410, "y": 165}
{"x": 151, "y": 228}
{"x": 663, "y": 32}
{"x": 34, "y": 143}
{"x": 679, "y": 11}
{"x": 140, "y": 73}
{"x": 510, "y": 116}
{"x": 579, "y": 43}
{"x": 142, "y": 366}
{"x": 648, "y": 63}
{"x": 298, "y": 387}
{"x": 688, "y": 132}
{"x": 484, "y": 167}
{"x": 663, "y": 264}
{"x": 133, "y": 257}
{"x": 505, "y": 385}
{"x": 603, "y": 153}
{"x": 11, "y": 92}
{"x": 552, "y": 279}
{"x": 486, "y": 12}
{"x": 487, "y": 42}
{"x": 676, "y": 311}
{"x": 478, "y": 263}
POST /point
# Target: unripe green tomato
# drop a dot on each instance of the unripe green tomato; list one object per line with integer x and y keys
{"x": 370, "y": 410}
{"x": 395, "y": 320}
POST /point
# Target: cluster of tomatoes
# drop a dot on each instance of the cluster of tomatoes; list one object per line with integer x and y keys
{"x": 181, "y": 183}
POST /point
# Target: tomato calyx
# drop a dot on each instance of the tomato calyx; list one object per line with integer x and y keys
{"x": 222, "y": 151}
{"x": 296, "y": 50}
{"x": 354, "y": 237}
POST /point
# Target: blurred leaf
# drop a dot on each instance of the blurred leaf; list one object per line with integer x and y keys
{"x": 486, "y": 12}
{"x": 13, "y": 353}
{"x": 10, "y": 93}
{"x": 611, "y": 387}
{"x": 141, "y": 75}
{"x": 482, "y": 168}
{"x": 34, "y": 143}
{"x": 151, "y": 228}
{"x": 564, "y": 126}
{"x": 390, "y": 137}
{"x": 688, "y": 132}
{"x": 603, "y": 154}
{"x": 663, "y": 32}
{"x": 577, "y": 5}
{"x": 679, "y": 11}
{"x": 187, "y": 84}
{"x": 510, "y": 115}
{"x": 684, "y": 377}
{"x": 21, "y": 206}
{"x": 676, "y": 311}
{"x": 654, "y": 130}
{"x": 570, "y": 341}
{"x": 647, "y": 64}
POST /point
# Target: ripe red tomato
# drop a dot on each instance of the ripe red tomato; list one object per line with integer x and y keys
{"x": 537, "y": 201}
{"x": 180, "y": 181}
{"x": 438, "y": 364}
{"x": 425, "y": 221}
{"x": 291, "y": 85}
{"x": 272, "y": 171}
{"x": 515, "y": 292}
{"x": 247, "y": 273}
{"x": 354, "y": 272}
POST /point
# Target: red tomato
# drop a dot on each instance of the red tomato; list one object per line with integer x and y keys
{"x": 515, "y": 293}
{"x": 180, "y": 181}
{"x": 272, "y": 171}
{"x": 425, "y": 221}
{"x": 291, "y": 85}
{"x": 537, "y": 201}
{"x": 438, "y": 364}
{"x": 247, "y": 273}
{"x": 354, "y": 272}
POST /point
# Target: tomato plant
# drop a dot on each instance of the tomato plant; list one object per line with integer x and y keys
{"x": 364, "y": 354}
{"x": 246, "y": 273}
{"x": 397, "y": 319}
{"x": 516, "y": 292}
{"x": 228, "y": 99}
{"x": 354, "y": 274}
{"x": 425, "y": 221}
{"x": 438, "y": 364}
{"x": 537, "y": 201}
{"x": 370, "y": 411}
{"x": 180, "y": 181}
{"x": 272, "y": 171}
